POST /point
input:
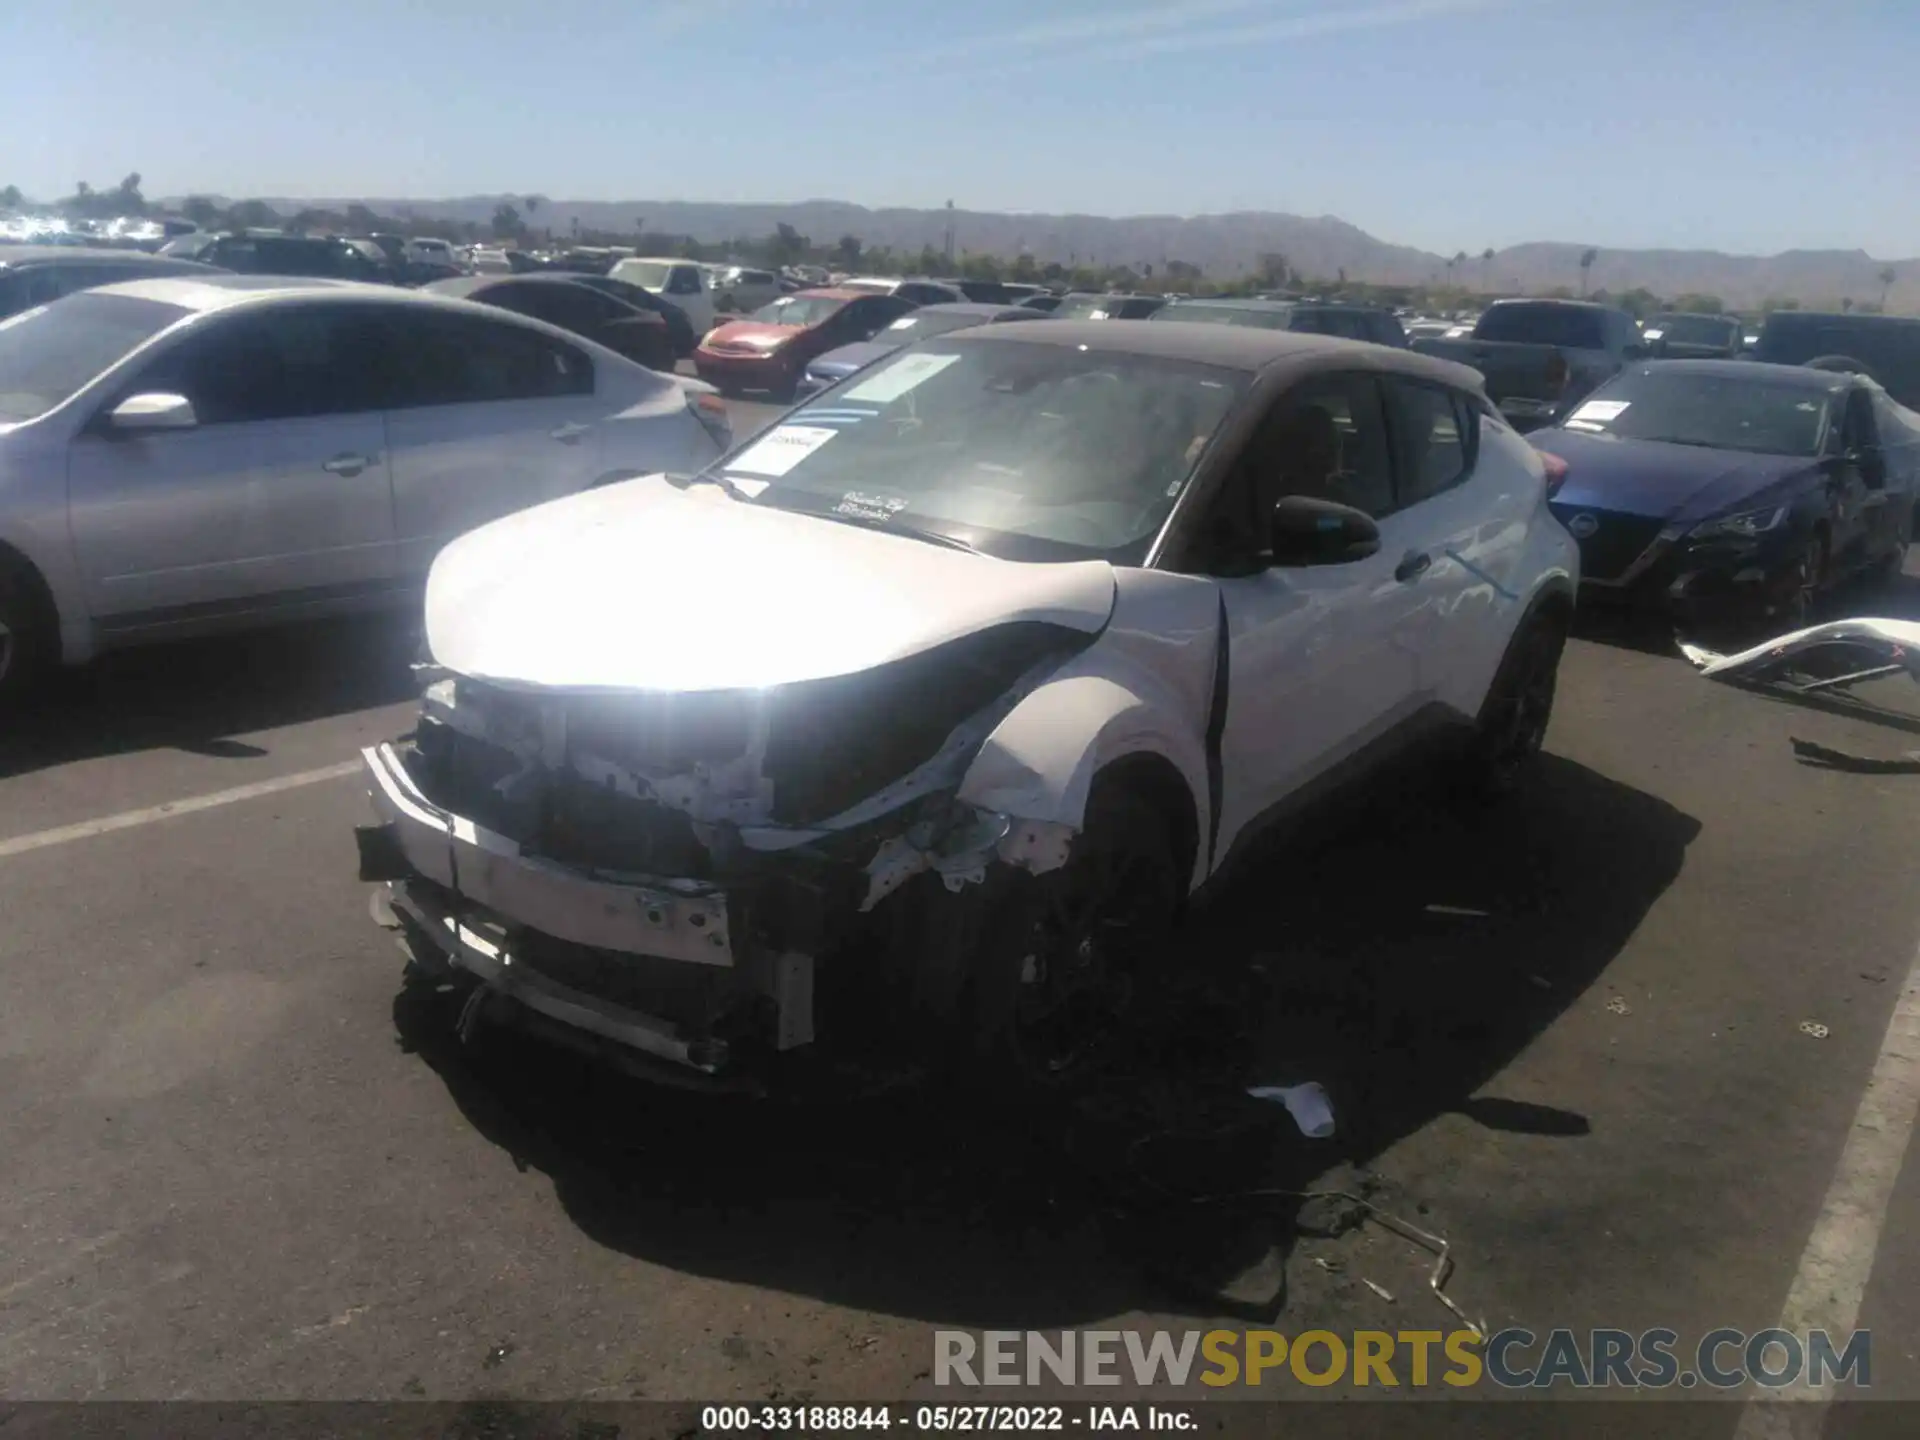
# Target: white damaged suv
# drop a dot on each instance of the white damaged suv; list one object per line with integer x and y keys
{"x": 933, "y": 705}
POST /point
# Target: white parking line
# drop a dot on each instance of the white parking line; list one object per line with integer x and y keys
{"x": 1834, "y": 1268}
{"x": 128, "y": 819}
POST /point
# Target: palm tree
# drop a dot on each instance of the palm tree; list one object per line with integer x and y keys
{"x": 1586, "y": 268}
{"x": 1886, "y": 277}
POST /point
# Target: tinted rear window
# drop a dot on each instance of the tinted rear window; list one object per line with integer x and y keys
{"x": 1562, "y": 325}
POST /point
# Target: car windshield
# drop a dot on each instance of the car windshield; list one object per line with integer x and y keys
{"x": 922, "y": 324}
{"x": 1695, "y": 330}
{"x": 648, "y": 274}
{"x": 1025, "y": 451}
{"x": 1717, "y": 412}
{"x": 48, "y": 355}
{"x": 798, "y": 310}
{"x": 1224, "y": 315}
{"x": 1088, "y": 307}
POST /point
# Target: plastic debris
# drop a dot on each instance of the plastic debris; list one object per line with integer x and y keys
{"x": 1815, "y": 1029}
{"x": 497, "y": 1355}
{"x": 1827, "y": 758}
{"x": 1541, "y": 982}
{"x": 1895, "y": 644}
{"x": 1309, "y": 1105}
{"x": 1332, "y": 1267}
{"x": 1379, "y": 1290}
{"x": 1619, "y": 1006}
{"x": 1465, "y": 910}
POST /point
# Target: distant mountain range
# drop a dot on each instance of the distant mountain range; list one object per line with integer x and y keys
{"x": 1222, "y": 245}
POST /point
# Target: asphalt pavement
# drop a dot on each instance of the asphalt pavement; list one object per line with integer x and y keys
{"x": 236, "y": 1161}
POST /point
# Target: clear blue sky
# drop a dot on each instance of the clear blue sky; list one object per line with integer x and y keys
{"x": 1744, "y": 125}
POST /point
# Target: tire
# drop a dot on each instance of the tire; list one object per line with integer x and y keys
{"x": 1513, "y": 720}
{"x": 1071, "y": 957}
{"x": 26, "y": 635}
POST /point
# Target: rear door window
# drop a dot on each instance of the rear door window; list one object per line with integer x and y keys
{"x": 1435, "y": 434}
{"x": 445, "y": 359}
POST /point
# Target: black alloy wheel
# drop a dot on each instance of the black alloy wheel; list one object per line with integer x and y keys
{"x": 1086, "y": 944}
{"x": 1513, "y": 722}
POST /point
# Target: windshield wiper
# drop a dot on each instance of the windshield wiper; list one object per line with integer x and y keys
{"x": 706, "y": 477}
{"x": 887, "y": 527}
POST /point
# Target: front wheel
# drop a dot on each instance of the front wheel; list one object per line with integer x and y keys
{"x": 1513, "y": 721}
{"x": 1071, "y": 954}
{"x": 26, "y": 637}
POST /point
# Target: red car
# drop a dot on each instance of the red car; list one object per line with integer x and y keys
{"x": 770, "y": 348}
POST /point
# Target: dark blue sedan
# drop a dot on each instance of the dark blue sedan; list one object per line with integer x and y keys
{"x": 836, "y": 365}
{"x": 1728, "y": 490}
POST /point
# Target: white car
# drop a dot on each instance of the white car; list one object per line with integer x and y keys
{"x": 425, "y": 251}
{"x": 184, "y": 455}
{"x": 744, "y": 291}
{"x": 682, "y": 282}
{"x": 1025, "y": 633}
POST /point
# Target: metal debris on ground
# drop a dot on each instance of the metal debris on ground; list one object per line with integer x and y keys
{"x": 1815, "y": 1029}
{"x": 1379, "y": 1290}
{"x": 1619, "y": 1006}
{"x": 497, "y": 1355}
{"x": 1308, "y": 1104}
{"x": 1434, "y": 1245}
{"x": 1892, "y": 645}
{"x": 1827, "y": 758}
{"x": 1332, "y": 1267}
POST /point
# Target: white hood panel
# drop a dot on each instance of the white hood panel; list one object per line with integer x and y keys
{"x": 640, "y": 586}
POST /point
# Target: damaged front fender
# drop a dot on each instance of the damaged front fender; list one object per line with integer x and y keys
{"x": 1038, "y": 766}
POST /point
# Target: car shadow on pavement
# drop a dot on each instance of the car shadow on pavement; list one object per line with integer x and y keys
{"x": 197, "y": 695}
{"x": 1325, "y": 962}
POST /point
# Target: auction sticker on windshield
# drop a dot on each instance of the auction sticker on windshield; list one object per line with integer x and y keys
{"x": 1599, "y": 412}
{"x": 898, "y": 378}
{"x": 869, "y": 507}
{"x": 781, "y": 449}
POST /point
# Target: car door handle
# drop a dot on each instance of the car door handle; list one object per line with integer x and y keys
{"x": 347, "y": 464}
{"x": 568, "y": 434}
{"x": 1416, "y": 564}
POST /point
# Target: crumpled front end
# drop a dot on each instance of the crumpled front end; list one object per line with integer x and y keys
{"x": 706, "y": 878}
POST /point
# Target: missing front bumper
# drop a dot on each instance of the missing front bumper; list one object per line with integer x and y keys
{"x": 487, "y": 908}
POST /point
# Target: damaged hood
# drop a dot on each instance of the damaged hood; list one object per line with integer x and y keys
{"x": 643, "y": 586}
{"x": 1661, "y": 481}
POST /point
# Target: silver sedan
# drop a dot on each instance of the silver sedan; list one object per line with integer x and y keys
{"x": 178, "y": 456}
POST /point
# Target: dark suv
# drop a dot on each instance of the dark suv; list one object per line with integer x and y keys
{"x": 32, "y": 275}
{"x": 1311, "y": 317}
{"x": 1886, "y": 347}
{"x": 312, "y": 257}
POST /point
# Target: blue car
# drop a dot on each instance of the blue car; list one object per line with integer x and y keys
{"x": 1727, "y": 491}
{"x": 836, "y": 365}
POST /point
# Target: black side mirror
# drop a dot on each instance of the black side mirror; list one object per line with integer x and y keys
{"x": 1307, "y": 531}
